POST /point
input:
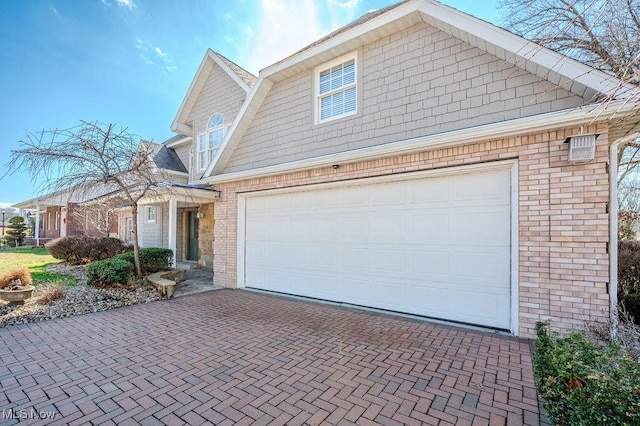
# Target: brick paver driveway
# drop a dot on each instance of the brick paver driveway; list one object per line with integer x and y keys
{"x": 234, "y": 357}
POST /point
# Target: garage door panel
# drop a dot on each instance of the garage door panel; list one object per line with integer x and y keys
{"x": 389, "y": 260}
{"x": 436, "y": 246}
{"x": 388, "y": 194}
{"x": 482, "y": 308}
{"x": 481, "y": 267}
{"x": 487, "y": 187}
{"x": 355, "y": 258}
{"x": 388, "y": 229}
{"x": 354, "y": 229}
{"x": 429, "y": 227}
{"x": 433, "y": 193}
{"x": 428, "y": 264}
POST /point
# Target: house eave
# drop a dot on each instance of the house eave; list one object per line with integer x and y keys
{"x": 517, "y": 127}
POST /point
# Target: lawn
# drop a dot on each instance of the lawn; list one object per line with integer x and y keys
{"x": 35, "y": 259}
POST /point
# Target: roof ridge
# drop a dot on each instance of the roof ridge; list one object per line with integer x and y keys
{"x": 245, "y": 75}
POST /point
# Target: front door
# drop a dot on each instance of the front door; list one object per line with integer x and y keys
{"x": 192, "y": 236}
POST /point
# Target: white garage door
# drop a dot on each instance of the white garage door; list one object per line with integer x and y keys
{"x": 434, "y": 246}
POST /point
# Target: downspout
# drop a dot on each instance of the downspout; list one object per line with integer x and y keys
{"x": 613, "y": 241}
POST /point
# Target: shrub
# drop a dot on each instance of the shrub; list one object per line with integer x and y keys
{"x": 583, "y": 384}
{"x": 631, "y": 303}
{"x": 16, "y": 231}
{"x": 109, "y": 272}
{"x": 628, "y": 268}
{"x": 82, "y": 249}
{"x": 21, "y": 274}
{"x": 152, "y": 259}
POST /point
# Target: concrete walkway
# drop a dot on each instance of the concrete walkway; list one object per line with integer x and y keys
{"x": 238, "y": 357}
{"x": 198, "y": 281}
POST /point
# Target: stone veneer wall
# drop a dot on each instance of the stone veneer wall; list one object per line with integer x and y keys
{"x": 206, "y": 235}
{"x": 563, "y": 219}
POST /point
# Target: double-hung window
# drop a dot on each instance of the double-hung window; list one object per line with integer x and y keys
{"x": 336, "y": 89}
{"x": 209, "y": 142}
{"x": 150, "y": 214}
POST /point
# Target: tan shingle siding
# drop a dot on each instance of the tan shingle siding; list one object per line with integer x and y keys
{"x": 219, "y": 94}
{"x": 416, "y": 82}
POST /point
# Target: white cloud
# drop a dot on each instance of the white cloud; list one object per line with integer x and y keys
{"x": 283, "y": 28}
{"x": 160, "y": 53}
{"x": 126, "y": 3}
{"x": 146, "y": 60}
{"x": 344, "y": 4}
{"x": 228, "y": 15}
{"x": 164, "y": 60}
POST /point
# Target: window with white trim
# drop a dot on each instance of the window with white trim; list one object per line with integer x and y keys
{"x": 336, "y": 89}
{"x": 209, "y": 142}
{"x": 150, "y": 214}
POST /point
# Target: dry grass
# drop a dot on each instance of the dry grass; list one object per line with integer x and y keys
{"x": 50, "y": 295}
{"x": 19, "y": 274}
{"x": 628, "y": 333}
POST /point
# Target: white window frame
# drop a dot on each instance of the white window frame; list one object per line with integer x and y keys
{"x": 150, "y": 214}
{"x": 317, "y": 97}
{"x": 206, "y": 150}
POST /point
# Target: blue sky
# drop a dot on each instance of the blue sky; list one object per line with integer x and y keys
{"x": 130, "y": 62}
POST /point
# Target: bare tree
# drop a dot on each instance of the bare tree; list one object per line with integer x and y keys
{"x": 93, "y": 159}
{"x": 99, "y": 215}
{"x": 604, "y": 34}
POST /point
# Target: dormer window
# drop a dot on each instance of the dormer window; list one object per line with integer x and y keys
{"x": 336, "y": 89}
{"x": 209, "y": 142}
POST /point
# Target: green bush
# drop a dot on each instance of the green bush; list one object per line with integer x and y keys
{"x": 109, "y": 272}
{"x": 152, "y": 259}
{"x": 631, "y": 303}
{"x": 82, "y": 249}
{"x": 583, "y": 384}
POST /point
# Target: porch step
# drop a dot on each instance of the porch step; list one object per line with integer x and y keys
{"x": 187, "y": 265}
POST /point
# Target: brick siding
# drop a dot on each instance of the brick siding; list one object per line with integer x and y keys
{"x": 563, "y": 219}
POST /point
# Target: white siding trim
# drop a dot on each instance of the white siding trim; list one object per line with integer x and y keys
{"x": 515, "y": 249}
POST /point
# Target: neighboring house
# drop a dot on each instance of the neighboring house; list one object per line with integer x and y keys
{"x": 62, "y": 214}
{"x": 417, "y": 161}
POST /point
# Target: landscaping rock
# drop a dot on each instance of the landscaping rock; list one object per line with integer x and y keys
{"x": 77, "y": 300}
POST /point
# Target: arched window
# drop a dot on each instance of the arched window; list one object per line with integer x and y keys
{"x": 209, "y": 141}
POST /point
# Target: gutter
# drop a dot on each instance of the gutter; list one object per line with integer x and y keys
{"x": 493, "y": 131}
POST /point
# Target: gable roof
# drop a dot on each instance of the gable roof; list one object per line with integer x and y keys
{"x": 165, "y": 158}
{"x": 561, "y": 70}
{"x": 239, "y": 75}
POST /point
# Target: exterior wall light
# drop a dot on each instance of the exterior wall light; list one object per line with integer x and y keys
{"x": 582, "y": 148}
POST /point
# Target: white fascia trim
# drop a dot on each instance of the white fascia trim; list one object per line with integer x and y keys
{"x": 243, "y": 85}
{"x": 355, "y": 32}
{"x": 177, "y": 126}
{"x": 526, "y": 125}
{"x": 179, "y": 142}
